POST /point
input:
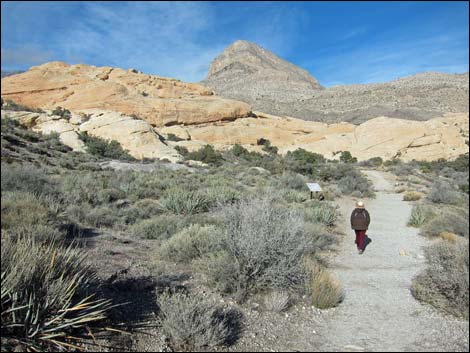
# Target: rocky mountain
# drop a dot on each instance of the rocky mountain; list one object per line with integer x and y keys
{"x": 158, "y": 100}
{"x": 140, "y": 111}
{"x": 247, "y": 72}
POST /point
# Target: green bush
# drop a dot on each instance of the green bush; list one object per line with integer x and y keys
{"x": 191, "y": 243}
{"x": 448, "y": 220}
{"x": 44, "y": 296}
{"x": 239, "y": 151}
{"x": 10, "y": 105}
{"x": 192, "y": 322}
{"x": 373, "y": 162}
{"x": 205, "y": 154}
{"x": 159, "y": 227}
{"x": 26, "y": 178}
{"x": 303, "y": 162}
{"x": 346, "y": 157}
{"x": 62, "y": 112}
{"x": 412, "y": 196}
{"x": 322, "y": 213}
{"x": 105, "y": 149}
{"x": 184, "y": 202}
{"x": 444, "y": 283}
{"x": 420, "y": 214}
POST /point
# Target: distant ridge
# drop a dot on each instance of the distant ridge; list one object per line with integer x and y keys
{"x": 247, "y": 72}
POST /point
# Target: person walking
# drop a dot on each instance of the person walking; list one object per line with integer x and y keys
{"x": 360, "y": 220}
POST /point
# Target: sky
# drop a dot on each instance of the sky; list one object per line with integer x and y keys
{"x": 337, "y": 42}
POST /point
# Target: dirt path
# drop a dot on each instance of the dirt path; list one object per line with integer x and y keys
{"x": 379, "y": 312}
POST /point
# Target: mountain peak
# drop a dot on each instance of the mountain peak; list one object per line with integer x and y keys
{"x": 249, "y": 72}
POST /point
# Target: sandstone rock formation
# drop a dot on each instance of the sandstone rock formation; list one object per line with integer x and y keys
{"x": 442, "y": 137}
{"x": 247, "y": 72}
{"x": 134, "y": 135}
{"x": 160, "y": 101}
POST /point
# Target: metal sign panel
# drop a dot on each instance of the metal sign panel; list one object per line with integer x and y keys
{"x": 314, "y": 187}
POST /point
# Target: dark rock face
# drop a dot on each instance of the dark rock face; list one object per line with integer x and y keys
{"x": 244, "y": 71}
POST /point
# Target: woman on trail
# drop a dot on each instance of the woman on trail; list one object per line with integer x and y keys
{"x": 360, "y": 221}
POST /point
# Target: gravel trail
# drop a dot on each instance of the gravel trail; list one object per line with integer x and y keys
{"x": 379, "y": 313}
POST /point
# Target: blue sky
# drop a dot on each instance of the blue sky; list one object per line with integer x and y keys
{"x": 337, "y": 42}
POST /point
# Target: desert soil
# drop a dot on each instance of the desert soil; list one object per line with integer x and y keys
{"x": 378, "y": 312}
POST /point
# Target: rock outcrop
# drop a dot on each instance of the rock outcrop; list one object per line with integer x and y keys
{"x": 388, "y": 138}
{"x": 159, "y": 101}
{"x": 247, "y": 72}
{"x": 135, "y": 135}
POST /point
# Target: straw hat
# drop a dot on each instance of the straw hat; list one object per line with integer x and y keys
{"x": 360, "y": 204}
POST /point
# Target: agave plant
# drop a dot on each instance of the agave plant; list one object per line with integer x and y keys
{"x": 182, "y": 201}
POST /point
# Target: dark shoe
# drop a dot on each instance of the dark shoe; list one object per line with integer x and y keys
{"x": 360, "y": 252}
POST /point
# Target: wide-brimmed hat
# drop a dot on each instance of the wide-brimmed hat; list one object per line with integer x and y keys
{"x": 360, "y": 204}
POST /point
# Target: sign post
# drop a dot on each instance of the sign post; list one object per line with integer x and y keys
{"x": 314, "y": 187}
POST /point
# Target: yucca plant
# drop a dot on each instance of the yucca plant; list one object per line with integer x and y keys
{"x": 322, "y": 213}
{"x": 186, "y": 202}
{"x": 419, "y": 216}
{"x": 43, "y": 296}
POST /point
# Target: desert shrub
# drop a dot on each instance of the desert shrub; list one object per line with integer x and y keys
{"x": 346, "y": 157}
{"x": 205, "y": 154}
{"x": 192, "y": 322}
{"x": 262, "y": 247}
{"x": 182, "y": 150}
{"x": 289, "y": 180}
{"x": 295, "y": 196}
{"x": 108, "y": 195}
{"x": 321, "y": 212}
{"x": 373, "y": 162}
{"x": 10, "y": 105}
{"x": 160, "y": 227}
{"x": 21, "y": 209}
{"x": 303, "y": 162}
{"x": 103, "y": 216}
{"x": 142, "y": 209}
{"x": 402, "y": 169}
{"x": 239, "y": 151}
{"x": 184, "y": 202}
{"x": 444, "y": 283}
{"x": 453, "y": 221}
{"x": 420, "y": 214}
{"x": 442, "y": 192}
{"x": 26, "y": 178}
{"x": 62, "y": 112}
{"x": 191, "y": 243}
{"x": 221, "y": 195}
{"x": 277, "y": 301}
{"x": 105, "y": 149}
{"x": 355, "y": 185}
{"x": 326, "y": 292}
{"x": 44, "y": 296}
{"x": 412, "y": 196}
{"x": 267, "y": 147}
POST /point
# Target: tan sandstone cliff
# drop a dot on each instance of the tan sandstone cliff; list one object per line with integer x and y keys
{"x": 158, "y": 100}
{"x": 139, "y": 110}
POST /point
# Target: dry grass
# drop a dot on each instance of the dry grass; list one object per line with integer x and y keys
{"x": 412, "y": 196}
{"x": 445, "y": 282}
{"x": 277, "y": 301}
{"x": 448, "y": 236}
{"x": 326, "y": 291}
